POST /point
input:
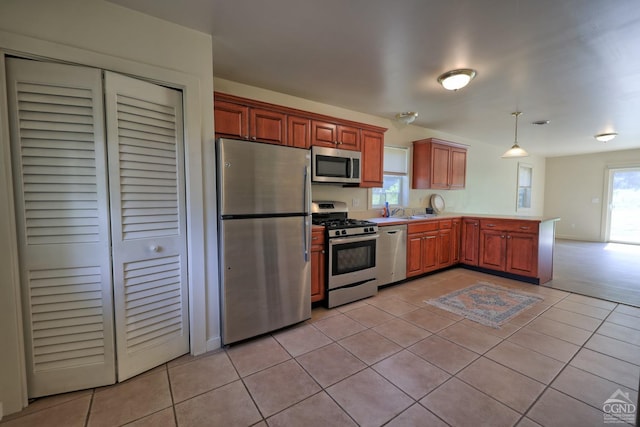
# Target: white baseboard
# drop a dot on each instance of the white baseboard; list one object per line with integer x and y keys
{"x": 214, "y": 344}
{"x": 581, "y": 239}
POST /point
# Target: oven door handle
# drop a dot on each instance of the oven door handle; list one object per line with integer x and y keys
{"x": 352, "y": 239}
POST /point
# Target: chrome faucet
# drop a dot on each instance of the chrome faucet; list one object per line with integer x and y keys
{"x": 395, "y": 211}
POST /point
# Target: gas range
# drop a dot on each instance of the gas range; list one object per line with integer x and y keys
{"x": 351, "y": 253}
{"x": 333, "y": 215}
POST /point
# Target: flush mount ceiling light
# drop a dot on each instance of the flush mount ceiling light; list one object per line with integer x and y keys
{"x": 604, "y": 137}
{"x": 456, "y": 79}
{"x": 515, "y": 150}
{"x": 406, "y": 117}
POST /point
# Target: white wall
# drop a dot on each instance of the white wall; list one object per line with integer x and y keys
{"x": 572, "y": 185}
{"x": 491, "y": 181}
{"x": 104, "y": 35}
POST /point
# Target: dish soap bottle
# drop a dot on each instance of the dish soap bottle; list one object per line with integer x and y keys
{"x": 386, "y": 209}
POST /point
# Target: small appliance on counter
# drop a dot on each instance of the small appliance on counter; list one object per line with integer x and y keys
{"x": 264, "y": 230}
{"x": 351, "y": 248}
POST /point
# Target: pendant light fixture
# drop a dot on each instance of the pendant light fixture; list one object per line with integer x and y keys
{"x": 515, "y": 150}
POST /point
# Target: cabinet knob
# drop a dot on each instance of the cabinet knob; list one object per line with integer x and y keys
{"x": 508, "y": 237}
{"x": 154, "y": 248}
{"x": 246, "y": 137}
{"x": 323, "y": 251}
{"x": 253, "y": 138}
{"x": 502, "y": 237}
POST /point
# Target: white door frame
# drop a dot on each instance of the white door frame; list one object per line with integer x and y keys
{"x": 605, "y": 232}
{"x": 190, "y": 85}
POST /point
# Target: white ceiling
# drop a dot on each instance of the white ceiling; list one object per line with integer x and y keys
{"x": 573, "y": 62}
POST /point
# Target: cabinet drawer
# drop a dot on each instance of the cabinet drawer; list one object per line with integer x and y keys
{"x": 444, "y": 224}
{"x": 419, "y": 227}
{"x": 317, "y": 237}
{"x": 509, "y": 225}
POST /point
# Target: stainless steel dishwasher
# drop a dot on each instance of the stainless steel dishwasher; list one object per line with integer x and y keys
{"x": 391, "y": 256}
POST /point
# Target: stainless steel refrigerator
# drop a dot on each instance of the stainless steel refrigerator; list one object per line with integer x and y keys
{"x": 264, "y": 232}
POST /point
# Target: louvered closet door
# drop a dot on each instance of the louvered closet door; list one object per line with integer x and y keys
{"x": 146, "y": 175}
{"x": 60, "y": 183}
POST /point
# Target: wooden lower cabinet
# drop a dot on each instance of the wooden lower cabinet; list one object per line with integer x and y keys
{"x": 503, "y": 249}
{"x": 455, "y": 240}
{"x": 469, "y": 241}
{"x": 517, "y": 247}
{"x": 522, "y": 254}
{"x": 318, "y": 268}
{"x": 429, "y": 246}
{"x": 493, "y": 250}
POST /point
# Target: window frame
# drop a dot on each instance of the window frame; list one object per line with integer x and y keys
{"x": 403, "y": 196}
{"x": 519, "y": 186}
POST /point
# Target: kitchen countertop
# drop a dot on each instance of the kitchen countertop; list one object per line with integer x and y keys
{"x": 398, "y": 221}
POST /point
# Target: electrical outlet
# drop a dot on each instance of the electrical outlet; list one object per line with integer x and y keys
{"x": 355, "y": 202}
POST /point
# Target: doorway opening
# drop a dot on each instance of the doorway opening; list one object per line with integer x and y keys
{"x": 624, "y": 205}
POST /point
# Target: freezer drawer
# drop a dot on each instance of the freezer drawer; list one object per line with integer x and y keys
{"x": 265, "y": 275}
{"x": 392, "y": 254}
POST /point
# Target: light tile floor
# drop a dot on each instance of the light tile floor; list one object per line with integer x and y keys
{"x": 389, "y": 360}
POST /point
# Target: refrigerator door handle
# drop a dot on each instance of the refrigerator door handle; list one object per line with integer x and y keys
{"x": 305, "y": 219}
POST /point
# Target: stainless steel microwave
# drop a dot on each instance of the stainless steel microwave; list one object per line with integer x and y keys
{"x": 331, "y": 165}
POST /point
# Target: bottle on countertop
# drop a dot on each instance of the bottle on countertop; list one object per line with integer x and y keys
{"x": 386, "y": 209}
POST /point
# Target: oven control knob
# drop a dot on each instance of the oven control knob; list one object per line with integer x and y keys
{"x": 338, "y": 233}
{"x": 344, "y": 231}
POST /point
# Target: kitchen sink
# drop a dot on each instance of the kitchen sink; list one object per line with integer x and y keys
{"x": 422, "y": 216}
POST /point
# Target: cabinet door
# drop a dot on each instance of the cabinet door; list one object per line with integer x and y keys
{"x": 324, "y": 134}
{"x": 444, "y": 245}
{"x": 267, "y": 126}
{"x": 421, "y": 177}
{"x": 414, "y": 254}
{"x": 440, "y": 162}
{"x": 430, "y": 251}
{"x": 348, "y": 138}
{"x": 372, "y": 159}
{"x": 493, "y": 248}
{"x": 522, "y": 254}
{"x": 317, "y": 272}
{"x": 470, "y": 241}
{"x": 298, "y": 132}
{"x": 458, "y": 168}
{"x": 231, "y": 119}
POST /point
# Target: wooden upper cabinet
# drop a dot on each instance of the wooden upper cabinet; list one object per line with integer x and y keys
{"x": 324, "y": 134}
{"x": 258, "y": 121}
{"x": 231, "y": 119}
{"x": 458, "y": 173}
{"x": 267, "y": 126}
{"x": 298, "y": 132}
{"x": 332, "y": 135}
{"x": 439, "y": 164}
{"x": 372, "y": 158}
